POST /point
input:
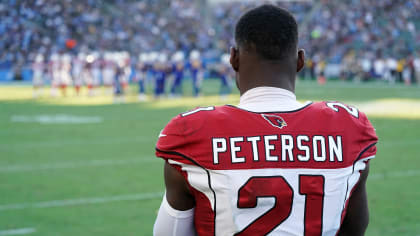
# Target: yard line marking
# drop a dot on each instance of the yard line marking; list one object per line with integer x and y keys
{"x": 66, "y": 142}
{"x": 70, "y": 165}
{"x": 82, "y": 201}
{"x": 17, "y": 231}
{"x": 384, "y": 175}
{"x": 56, "y": 119}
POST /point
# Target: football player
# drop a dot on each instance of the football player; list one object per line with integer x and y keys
{"x": 38, "y": 68}
{"x": 197, "y": 71}
{"x": 270, "y": 165}
{"x": 124, "y": 62}
{"x": 141, "y": 74}
{"x": 87, "y": 74}
{"x": 178, "y": 71}
{"x": 225, "y": 72}
{"x": 108, "y": 71}
{"x": 65, "y": 73}
{"x": 118, "y": 84}
{"x": 160, "y": 69}
{"x": 77, "y": 69}
{"x": 55, "y": 74}
{"x": 96, "y": 73}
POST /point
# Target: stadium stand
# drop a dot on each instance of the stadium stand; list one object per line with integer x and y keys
{"x": 360, "y": 39}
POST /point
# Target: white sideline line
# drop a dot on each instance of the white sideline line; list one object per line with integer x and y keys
{"x": 81, "y": 201}
{"x": 69, "y": 165}
{"x": 17, "y": 231}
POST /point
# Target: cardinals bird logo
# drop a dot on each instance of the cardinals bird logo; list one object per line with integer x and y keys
{"x": 275, "y": 121}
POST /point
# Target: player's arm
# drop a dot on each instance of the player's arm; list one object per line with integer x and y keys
{"x": 177, "y": 191}
{"x": 176, "y": 213}
{"x": 357, "y": 217}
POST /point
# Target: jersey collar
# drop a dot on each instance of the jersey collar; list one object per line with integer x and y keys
{"x": 269, "y": 99}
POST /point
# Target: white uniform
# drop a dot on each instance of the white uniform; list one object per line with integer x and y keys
{"x": 38, "y": 68}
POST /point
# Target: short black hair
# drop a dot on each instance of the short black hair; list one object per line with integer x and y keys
{"x": 273, "y": 32}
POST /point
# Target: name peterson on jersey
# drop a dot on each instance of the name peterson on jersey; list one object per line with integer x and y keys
{"x": 279, "y": 147}
{"x": 320, "y": 135}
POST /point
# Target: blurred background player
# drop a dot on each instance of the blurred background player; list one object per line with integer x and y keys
{"x": 92, "y": 73}
{"x": 77, "y": 69}
{"x": 320, "y": 68}
{"x": 308, "y": 72}
{"x": 197, "y": 72}
{"x": 55, "y": 72}
{"x": 96, "y": 72}
{"x": 38, "y": 68}
{"x": 379, "y": 67}
{"x": 118, "y": 88}
{"x": 226, "y": 75}
{"x": 178, "y": 72}
{"x": 409, "y": 72}
{"x": 87, "y": 74}
{"x": 124, "y": 62}
{"x": 140, "y": 75}
{"x": 65, "y": 73}
{"x": 401, "y": 63}
{"x": 160, "y": 70}
{"x": 367, "y": 67}
{"x": 109, "y": 69}
{"x": 390, "y": 70}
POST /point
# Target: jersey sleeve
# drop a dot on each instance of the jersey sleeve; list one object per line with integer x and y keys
{"x": 367, "y": 138}
{"x": 179, "y": 139}
{"x": 359, "y": 134}
{"x": 171, "y": 141}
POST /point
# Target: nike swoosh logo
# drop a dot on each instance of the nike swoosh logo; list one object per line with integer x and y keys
{"x": 162, "y": 135}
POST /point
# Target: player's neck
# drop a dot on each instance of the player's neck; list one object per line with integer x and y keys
{"x": 266, "y": 77}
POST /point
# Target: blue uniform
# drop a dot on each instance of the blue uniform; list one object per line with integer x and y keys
{"x": 224, "y": 86}
{"x": 176, "y": 88}
{"x": 141, "y": 76}
{"x": 117, "y": 84}
{"x": 160, "y": 78}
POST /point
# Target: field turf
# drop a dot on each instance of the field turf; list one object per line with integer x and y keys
{"x": 85, "y": 166}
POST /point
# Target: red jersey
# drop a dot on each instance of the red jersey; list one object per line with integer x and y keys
{"x": 276, "y": 173}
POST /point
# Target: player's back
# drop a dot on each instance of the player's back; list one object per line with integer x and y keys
{"x": 274, "y": 173}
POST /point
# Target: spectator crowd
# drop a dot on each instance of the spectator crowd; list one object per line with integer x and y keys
{"x": 349, "y": 39}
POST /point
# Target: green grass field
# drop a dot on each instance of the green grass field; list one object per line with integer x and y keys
{"x": 98, "y": 175}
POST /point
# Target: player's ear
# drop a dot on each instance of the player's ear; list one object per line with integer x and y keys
{"x": 234, "y": 58}
{"x": 300, "y": 59}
